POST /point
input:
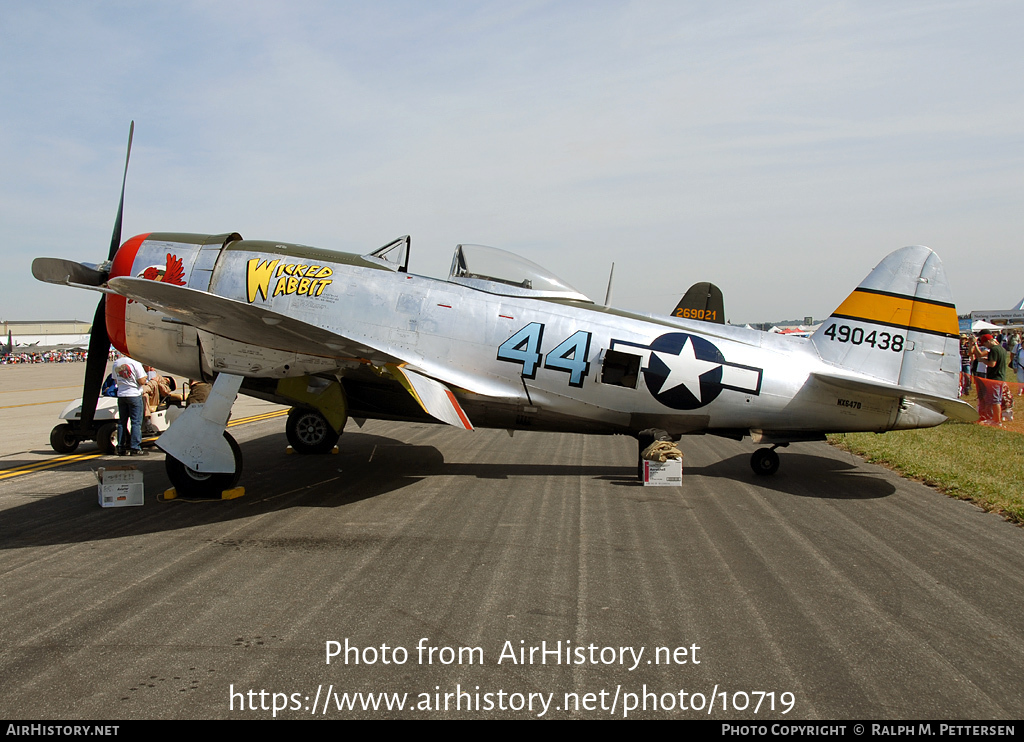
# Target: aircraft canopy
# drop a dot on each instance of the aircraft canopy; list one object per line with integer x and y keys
{"x": 506, "y": 274}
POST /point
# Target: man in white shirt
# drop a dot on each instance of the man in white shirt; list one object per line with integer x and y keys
{"x": 131, "y": 378}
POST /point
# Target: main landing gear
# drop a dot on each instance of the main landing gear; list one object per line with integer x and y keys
{"x": 202, "y": 459}
{"x": 192, "y": 483}
{"x": 765, "y": 461}
{"x": 309, "y": 432}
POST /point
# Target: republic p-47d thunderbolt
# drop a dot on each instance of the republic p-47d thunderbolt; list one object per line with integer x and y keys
{"x": 502, "y": 343}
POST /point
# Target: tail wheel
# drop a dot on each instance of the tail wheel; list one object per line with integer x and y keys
{"x": 106, "y": 438}
{"x": 63, "y": 439}
{"x": 308, "y": 431}
{"x": 764, "y": 461}
{"x": 191, "y": 483}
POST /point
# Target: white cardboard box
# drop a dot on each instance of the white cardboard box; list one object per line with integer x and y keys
{"x": 120, "y": 486}
{"x": 669, "y": 474}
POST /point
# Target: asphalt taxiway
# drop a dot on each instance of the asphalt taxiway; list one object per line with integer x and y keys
{"x": 857, "y": 593}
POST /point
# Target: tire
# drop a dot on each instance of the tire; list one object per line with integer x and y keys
{"x": 308, "y": 431}
{"x": 63, "y": 439}
{"x": 764, "y": 462}
{"x": 190, "y": 483}
{"x": 106, "y": 438}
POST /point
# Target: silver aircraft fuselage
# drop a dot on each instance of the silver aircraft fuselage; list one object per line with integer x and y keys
{"x": 515, "y": 357}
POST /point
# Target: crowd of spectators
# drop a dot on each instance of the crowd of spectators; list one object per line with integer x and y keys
{"x": 994, "y": 365}
{"x": 48, "y": 356}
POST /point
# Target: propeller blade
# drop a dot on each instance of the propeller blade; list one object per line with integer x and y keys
{"x": 95, "y": 364}
{"x": 99, "y": 341}
{"x": 60, "y": 271}
{"x": 115, "y": 238}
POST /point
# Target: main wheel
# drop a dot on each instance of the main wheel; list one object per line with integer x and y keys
{"x": 63, "y": 439}
{"x": 308, "y": 431}
{"x": 106, "y": 438}
{"x": 764, "y": 461}
{"x": 191, "y": 483}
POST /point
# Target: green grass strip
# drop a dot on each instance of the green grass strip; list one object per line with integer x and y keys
{"x": 967, "y": 461}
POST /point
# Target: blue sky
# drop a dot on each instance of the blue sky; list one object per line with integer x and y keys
{"x": 779, "y": 150}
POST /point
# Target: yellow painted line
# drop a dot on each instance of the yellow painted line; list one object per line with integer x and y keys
{"x": 33, "y": 404}
{"x": 48, "y": 464}
{"x": 257, "y": 418}
{"x": 41, "y": 389}
{"x": 75, "y": 458}
{"x": 901, "y": 311}
{"x": 59, "y": 460}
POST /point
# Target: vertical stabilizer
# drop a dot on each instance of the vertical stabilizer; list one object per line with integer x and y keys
{"x": 899, "y": 326}
{"x": 703, "y": 301}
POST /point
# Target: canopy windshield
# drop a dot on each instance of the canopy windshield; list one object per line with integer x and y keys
{"x": 499, "y": 272}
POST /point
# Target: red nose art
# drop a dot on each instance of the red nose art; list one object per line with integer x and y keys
{"x": 116, "y": 305}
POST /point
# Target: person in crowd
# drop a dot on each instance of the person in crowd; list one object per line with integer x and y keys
{"x": 1018, "y": 362}
{"x": 965, "y": 364}
{"x": 157, "y": 387}
{"x": 995, "y": 363}
{"x": 978, "y": 373}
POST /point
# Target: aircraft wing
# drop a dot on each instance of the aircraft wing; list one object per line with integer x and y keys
{"x": 262, "y": 327}
{"x": 954, "y": 409}
{"x": 246, "y": 324}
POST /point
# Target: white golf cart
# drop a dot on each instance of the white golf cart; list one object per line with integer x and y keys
{"x": 64, "y": 438}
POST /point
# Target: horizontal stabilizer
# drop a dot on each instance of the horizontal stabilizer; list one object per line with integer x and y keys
{"x": 954, "y": 409}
